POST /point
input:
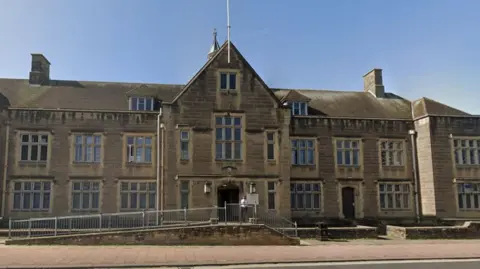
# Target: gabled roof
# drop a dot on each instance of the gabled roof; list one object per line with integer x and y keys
{"x": 213, "y": 59}
{"x": 292, "y": 95}
{"x": 81, "y": 95}
{"x": 351, "y": 104}
{"x": 428, "y": 107}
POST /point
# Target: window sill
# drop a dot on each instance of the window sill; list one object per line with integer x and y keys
{"x": 184, "y": 161}
{"x": 133, "y": 164}
{"x": 228, "y": 161}
{"x": 383, "y": 210}
{"x": 86, "y": 163}
{"x": 304, "y": 165}
{"x": 271, "y": 161}
{"x": 306, "y": 210}
{"x": 228, "y": 92}
{"x": 30, "y": 210}
{"x": 348, "y": 166}
{"x": 82, "y": 211}
{"x": 467, "y": 166}
{"x": 386, "y": 167}
{"x": 469, "y": 210}
{"x": 32, "y": 163}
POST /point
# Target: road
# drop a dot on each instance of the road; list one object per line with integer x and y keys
{"x": 426, "y": 264}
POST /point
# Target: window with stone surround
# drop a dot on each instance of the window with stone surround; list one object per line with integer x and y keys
{"x": 394, "y": 196}
{"x": 228, "y": 138}
{"x": 468, "y": 195}
{"x": 392, "y": 152}
{"x": 271, "y": 193}
{"x": 303, "y": 152}
{"x": 228, "y": 80}
{"x": 87, "y": 148}
{"x": 34, "y": 147}
{"x": 347, "y": 152}
{"x": 184, "y": 145}
{"x": 184, "y": 193}
{"x": 31, "y": 195}
{"x": 271, "y": 146}
{"x": 305, "y": 196}
{"x": 141, "y": 103}
{"x": 137, "y": 195}
{"x": 139, "y": 148}
{"x": 85, "y": 196}
{"x": 299, "y": 109}
{"x": 466, "y": 151}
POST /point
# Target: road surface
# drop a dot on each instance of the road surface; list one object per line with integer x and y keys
{"x": 426, "y": 264}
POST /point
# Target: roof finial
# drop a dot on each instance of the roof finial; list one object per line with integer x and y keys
{"x": 215, "y": 45}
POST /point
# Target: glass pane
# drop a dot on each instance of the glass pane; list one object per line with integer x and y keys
{"x": 308, "y": 201}
{"x": 85, "y": 200}
{"x": 228, "y": 121}
{"x": 237, "y": 121}
{"x": 228, "y": 133}
{"x": 17, "y": 199}
{"x": 133, "y": 103}
{"x": 293, "y": 200}
{"x": 34, "y": 138}
{"x": 148, "y": 155}
{"x": 219, "y": 151}
{"x": 76, "y": 201}
{"x": 36, "y": 200}
{"x": 238, "y": 151}
{"x": 130, "y": 140}
{"x": 294, "y": 157}
{"x": 184, "y": 186}
{"x": 347, "y": 158}
{"x": 316, "y": 187}
{"x": 26, "y": 201}
{"x": 223, "y": 81}
{"x": 34, "y": 153}
{"x": 271, "y": 200}
{"x": 218, "y": 121}
{"x": 46, "y": 200}
{"x": 301, "y": 156}
{"x": 97, "y": 154}
{"x": 46, "y": 186}
{"x": 95, "y": 200}
{"x": 124, "y": 200}
{"x": 148, "y": 140}
{"x": 355, "y": 157}
{"x": 151, "y": 200}
{"x": 219, "y": 133}
{"x": 24, "y": 153}
{"x": 184, "y": 200}
{"x": 382, "y": 200}
{"x": 78, "y": 153}
{"x": 37, "y": 186}
{"x": 25, "y": 138}
{"x": 148, "y": 105}
{"x": 133, "y": 200}
{"x": 238, "y": 134}
{"x": 233, "y": 81}
{"x": 43, "y": 152}
{"x": 143, "y": 200}
{"x": 300, "y": 201}
{"x": 143, "y": 186}
{"x": 339, "y": 157}
{"x": 228, "y": 150}
{"x": 17, "y": 186}
{"x": 271, "y": 186}
{"x": 270, "y": 152}
{"x": 316, "y": 201}
{"x": 310, "y": 156}
{"x": 139, "y": 154}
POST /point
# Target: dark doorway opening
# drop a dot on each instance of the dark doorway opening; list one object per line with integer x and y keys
{"x": 348, "y": 202}
{"x": 229, "y": 195}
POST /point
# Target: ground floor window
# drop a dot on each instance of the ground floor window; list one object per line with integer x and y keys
{"x": 184, "y": 193}
{"x": 394, "y": 196}
{"x": 468, "y": 196}
{"x": 31, "y": 195}
{"x": 137, "y": 195}
{"x": 305, "y": 195}
{"x": 85, "y": 195}
{"x": 271, "y": 195}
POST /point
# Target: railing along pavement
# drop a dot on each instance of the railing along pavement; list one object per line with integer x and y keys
{"x": 94, "y": 223}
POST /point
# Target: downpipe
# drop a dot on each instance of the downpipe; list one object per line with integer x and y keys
{"x": 412, "y": 134}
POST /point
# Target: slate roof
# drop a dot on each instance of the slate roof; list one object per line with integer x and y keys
{"x": 88, "y": 95}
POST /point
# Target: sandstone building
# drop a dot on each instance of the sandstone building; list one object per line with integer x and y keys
{"x": 77, "y": 147}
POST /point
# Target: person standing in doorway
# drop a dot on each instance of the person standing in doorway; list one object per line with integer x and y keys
{"x": 243, "y": 208}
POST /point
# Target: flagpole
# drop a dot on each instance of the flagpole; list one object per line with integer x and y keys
{"x": 228, "y": 29}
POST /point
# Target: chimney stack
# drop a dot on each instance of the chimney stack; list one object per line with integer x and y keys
{"x": 373, "y": 83}
{"x": 40, "y": 70}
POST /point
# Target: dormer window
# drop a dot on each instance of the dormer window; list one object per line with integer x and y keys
{"x": 299, "y": 108}
{"x": 141, "y": 103}
{"x": 228, "y": 81}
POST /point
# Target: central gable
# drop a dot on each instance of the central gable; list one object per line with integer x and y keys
{"x": 227, "y": 85}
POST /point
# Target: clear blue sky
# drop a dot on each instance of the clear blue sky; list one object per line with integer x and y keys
{"x": 426, "y": 47}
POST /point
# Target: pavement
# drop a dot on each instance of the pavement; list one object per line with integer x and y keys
{"x": 187, "y": 256}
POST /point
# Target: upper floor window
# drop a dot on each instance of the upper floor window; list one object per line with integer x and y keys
{"x": 348, "y": 152}
{"x": 299, "y": 108}
{"x": 34, "y": 147}
{"x": 228, "y": 80}
{"x": 468, "y": 195}
{"x": 88, "y": 148}
{"x": 467, "y": 151}
{"x": 184, "y": 145}
{"x": 394, "y": 196}
{"x": 228, "y": 136}
{"x": 270, "y": 146}
{"x": 139, "y": 149}
{"x": 31, "y": 195}
{"x": 303, "y": 152}
{"x": 142, "y": 103}
{"x": 392, "y": 152}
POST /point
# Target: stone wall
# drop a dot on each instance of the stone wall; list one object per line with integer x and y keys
{"x": 360, "y": 232}
{"x": 470, "y": 230}
{"x": 211, "y": 235}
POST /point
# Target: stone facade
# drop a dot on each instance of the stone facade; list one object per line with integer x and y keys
{"x": 74, "y": 147}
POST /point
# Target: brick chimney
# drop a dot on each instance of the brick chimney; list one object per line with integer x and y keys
{"x": 373, "y": 83}
{"x": 40, "y": 70}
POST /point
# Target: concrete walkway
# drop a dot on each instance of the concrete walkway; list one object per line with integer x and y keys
{"x": 134, "y": 256}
